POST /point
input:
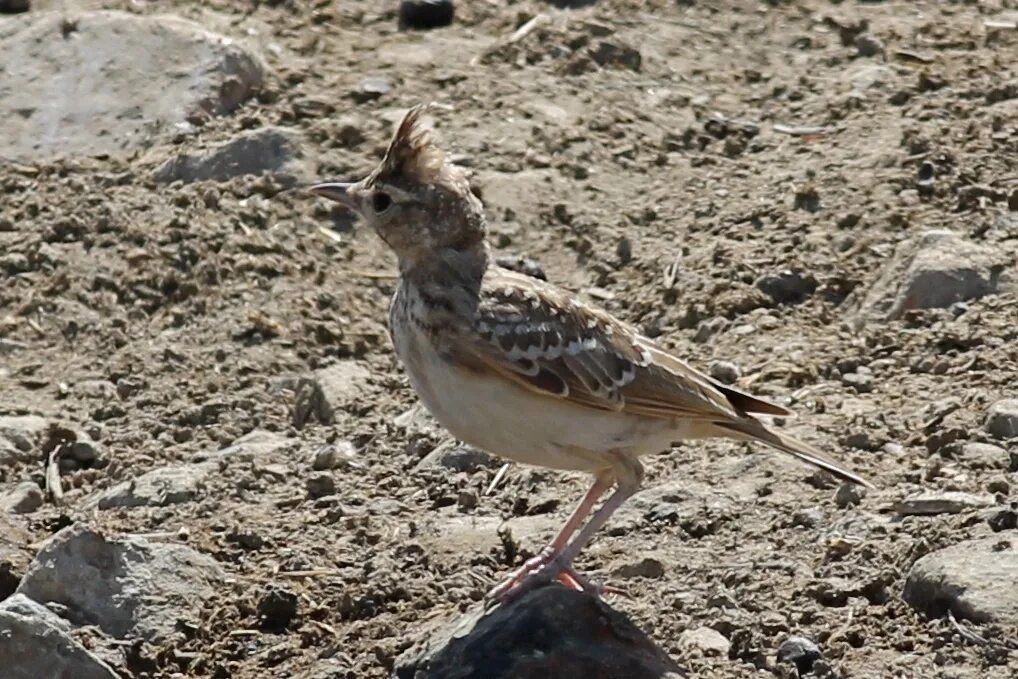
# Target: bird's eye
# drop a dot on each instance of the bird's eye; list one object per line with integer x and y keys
{"x": 381, "y": 202}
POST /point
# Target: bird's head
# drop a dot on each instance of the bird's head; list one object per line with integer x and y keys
{"x": 416, "y": 200}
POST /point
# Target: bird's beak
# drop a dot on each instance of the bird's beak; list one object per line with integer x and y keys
{"x": 337, "y": 191}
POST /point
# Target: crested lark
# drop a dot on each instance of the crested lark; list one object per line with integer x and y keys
{"x": 524, "y": 369}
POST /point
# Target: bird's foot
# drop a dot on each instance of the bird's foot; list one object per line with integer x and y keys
{"x": 542, "y": 569}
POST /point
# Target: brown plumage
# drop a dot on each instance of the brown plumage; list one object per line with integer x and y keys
{"x": 524, "y": 369}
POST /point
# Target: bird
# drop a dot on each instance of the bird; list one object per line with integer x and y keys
{"x": 526, "y": 370}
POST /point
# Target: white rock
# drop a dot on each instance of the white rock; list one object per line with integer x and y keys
{"x": 973, "y": 579}
{"x": 706, "y": 640}
{"x": 129, "y": 587}
{"x": 92, "y": 82}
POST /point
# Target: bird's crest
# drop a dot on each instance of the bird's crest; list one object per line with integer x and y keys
{"x": 412, "y": 153}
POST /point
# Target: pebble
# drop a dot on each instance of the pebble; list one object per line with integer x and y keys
{"x": 868, "y": 45}
{"x": 334, "y": 456}
{"x": 1002, "y": 420}
{"x": 320, "y": 484}
{"x": 457, "y": 457}
{"x": 425, "y": 14}
{"x": 706, "y": 640}
{"x": 929, "y": 503}
{"x": 647, "y": 567}
{"x": 849, "y": 494}
{"x": 801, "y": 652}
{"x": 861, "y": 383}
{"x": 980, "y": 455}
{"x": 24, "y": 498}
{"x": 370, "y": 89}
{"x": 277, "y": 608}
{"x": 725, "y": 372}
{"x": 787, "y": 287}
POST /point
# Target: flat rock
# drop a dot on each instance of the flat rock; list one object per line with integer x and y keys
{"x": 705, "y": 640}
{"x": 34, "y": 642}
{"x": 257, "y": 445}
{"x": 128, "y": 587}
{"x": 973, "y": 579}
{"x": 929, "y": 503}
{"x": 123, "y": 81}
{"x": 457, "y": 457}
{"x": 15, "y": 554}
{"x": 549, "y": 632}
{"x": 19, "y": 436}
{"x": 1002, "y": 420}
{"x": 23, "y": 498}
{"x": 271, "y": 150}
{"x": 157, "y": 488}
{"x": 330, "y": 389}
{"x": 979, "y": 455}
{"x": 934, "y": 270}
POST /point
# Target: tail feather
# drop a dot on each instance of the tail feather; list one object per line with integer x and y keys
{"x": 754, "y": 430}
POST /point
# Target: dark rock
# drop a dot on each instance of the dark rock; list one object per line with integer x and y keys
{"x": 270, "y": 150}
{"x": 801, "y": 652}
{"x": 1002, "y": 420}
{"x": 320, "y": 484}
{"x": 129, "y": 92}
{"x": 849, "y": 494}
{"x": 523, "y": 265}
{"x": 647, "y": 567}
{"x": 35, "y": 642}
{"x": 787, "y": 287}
{"x": 129, "y": 587}
{"x": 549, "y": 632}
{"x": 725, "y": 372}
{"x": 457, "y": 457}
{"x": 425, "y": 14}
{"x": 23, "y": 498}
{"x": 277, "y": 608}
{"x": 617, "y": 56}
{"x": 868, "y": 45}
{"x": 15, "y": 6}
{"x": 972, "y": 579}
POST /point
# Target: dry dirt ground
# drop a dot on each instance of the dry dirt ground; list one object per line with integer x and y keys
{"x": 169, "y": 320}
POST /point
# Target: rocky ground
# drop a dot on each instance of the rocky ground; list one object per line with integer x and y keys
{"x": 210, "y": 461}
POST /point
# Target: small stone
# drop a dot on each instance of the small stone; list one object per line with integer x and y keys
{"x": 616, "y": 55}
{"x": 1002, "y": 420}
{"x": 371, "y": 89}
{"x": 849, "y": 494}
{"x": 457, "y": 457}
{"x": 930, "y": 503}
{"x": 329, "y": 390}
{"x": 860, "y": 383}
{"x": 277, "y": 608}
{"x": 801, "y": 652}
{"x": 808, "y": 518}
{"x": 14, "y": 6}
{"x": 157, "y": 488}
{"x": 926, "y": 178}
{"x": 973, "y": 579}
{"x": 787, "y": 287}
{"x": 646, "y": 567}
{"x": 710, "y": 327}
{"x": 980, "y": 455}
{"x": 868, "y": 45}
{"x": 466, "y": 500}
{"x": 320, "y": 484}
{"x": 425, "y": 14}
{"x": 725, "y": 372}
{"x": 706, "y": 640}
{"x": 334, "y": 456}
{"x": 24, "y": 498}
{"x": 523, "y": 265}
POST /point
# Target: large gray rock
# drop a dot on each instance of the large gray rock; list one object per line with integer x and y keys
{"x": 128, "y": 587}
{"x": 549, "y": 632}
{"x": 105, "y": 81}
{"x": 270, "y": 150}
{"x": 19, "y": 436}
{"x": 329, "y": 390}
{"x": 934, "y": 270}
{"x": 157, "y": 488}
{"x": 34, "y": 643}
{"x": 973, "y": 579}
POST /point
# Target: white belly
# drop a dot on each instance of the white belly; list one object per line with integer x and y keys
{"x": 505, "y": 419}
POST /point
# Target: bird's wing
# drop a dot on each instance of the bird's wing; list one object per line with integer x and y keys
{"x": 540, "y": 337}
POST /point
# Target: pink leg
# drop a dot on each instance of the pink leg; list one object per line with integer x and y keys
{"x": 560, "y": 541}
{"x": 628, "y": 473}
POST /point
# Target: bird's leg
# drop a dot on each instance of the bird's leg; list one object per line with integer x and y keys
{"x": 628, "y": 474}
{"x": 560, "y": 541}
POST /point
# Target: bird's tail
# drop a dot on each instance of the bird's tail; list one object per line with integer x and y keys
{"x": 754, "y": 430}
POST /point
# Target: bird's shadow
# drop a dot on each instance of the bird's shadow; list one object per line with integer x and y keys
{"x": 551, "y": 631}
